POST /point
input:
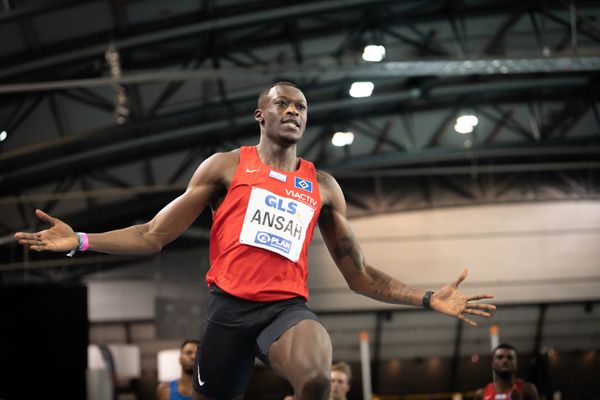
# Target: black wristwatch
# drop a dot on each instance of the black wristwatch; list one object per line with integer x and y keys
{"x": 427, "y": 300}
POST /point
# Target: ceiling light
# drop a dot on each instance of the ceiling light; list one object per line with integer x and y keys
{"x": 3, "y": 136}
{"x": 463, "y": 128}
{"x": 467, "y": 120}
{"x": 373, "y": 53}
{"x": 361, "y": 89}
{"x": 341, "y": 139}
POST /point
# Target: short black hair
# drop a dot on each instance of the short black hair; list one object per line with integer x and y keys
{"x": 265, "y": 92}
{"x": 189, "y": 341}
{"x": 504, "y": 346}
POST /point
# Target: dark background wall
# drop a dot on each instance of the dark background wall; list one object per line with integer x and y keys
{"x": 43, "y": 342}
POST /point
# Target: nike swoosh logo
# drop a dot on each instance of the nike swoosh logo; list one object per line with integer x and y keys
{"x": 252, "y": 170}
{"x": 200, "y": 380}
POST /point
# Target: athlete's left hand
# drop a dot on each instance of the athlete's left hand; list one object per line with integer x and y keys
{"x": 448, "y": 300}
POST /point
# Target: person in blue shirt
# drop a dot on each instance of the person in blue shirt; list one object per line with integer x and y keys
{"x": 181, "y": 389}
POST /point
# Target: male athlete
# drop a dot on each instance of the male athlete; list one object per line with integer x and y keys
{"x": 341, "y": 375}
{"x": 505, "y": 385}
{"x": 181, "y": 389}
{"x": 266, "y": 202}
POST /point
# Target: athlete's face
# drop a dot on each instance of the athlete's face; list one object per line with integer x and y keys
{"x": 283, "y": 114}
{"x": 339, "y": 385}
{"x": 187, "y": 358}
{"x": 504, "y": 362}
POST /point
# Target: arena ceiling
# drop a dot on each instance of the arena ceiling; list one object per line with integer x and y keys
{"x": 109, "y": 106}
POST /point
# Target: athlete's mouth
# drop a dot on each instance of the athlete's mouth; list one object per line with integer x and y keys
{"x": 291, "y": 121}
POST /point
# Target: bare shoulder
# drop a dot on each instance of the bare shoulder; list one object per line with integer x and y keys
{"x": 324, "y": 178}
{"x": 163, "y": 391}
{"x": 331, "y": 192}
{"x": 223, "y": 160}
{"x": 219, "y": 168}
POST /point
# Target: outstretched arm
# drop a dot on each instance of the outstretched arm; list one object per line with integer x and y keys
{"x": 206, "y": 184}
{"x": 366, "y": 280}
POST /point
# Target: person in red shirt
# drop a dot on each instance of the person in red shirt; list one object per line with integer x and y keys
{"x": 266, "y": 202}
{"x": 505, "y": 385}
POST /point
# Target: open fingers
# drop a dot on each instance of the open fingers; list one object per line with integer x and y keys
{"x": 461, "y": 278}
{"x": 31, "y": 242}
{"x": 482, "y": 306}
{"x": 28, "y": 235}
{"x": 466, "y": 320}
{"x": 480, "y": 297}
{"x": 34, "y": 244}
{"x": 479, "y": 313}
{"x": 45, "y": 217}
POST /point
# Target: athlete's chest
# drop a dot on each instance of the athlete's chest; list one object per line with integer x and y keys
{"x": 297, "y": 187}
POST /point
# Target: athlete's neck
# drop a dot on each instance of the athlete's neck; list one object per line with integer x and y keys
{"x": 278, "y": 157}
{"x": 503, "y": 384}
{"x": 185, "y": 382}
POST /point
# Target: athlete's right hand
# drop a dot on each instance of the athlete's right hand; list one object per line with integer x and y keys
{"x": 59, "y": 237}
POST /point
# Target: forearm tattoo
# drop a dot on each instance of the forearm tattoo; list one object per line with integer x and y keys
{"x": 342, "y": 243}
{"x": 389, "y": 289}
{"x": 346, "y": 247}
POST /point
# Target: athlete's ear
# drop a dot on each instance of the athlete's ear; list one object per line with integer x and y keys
{"x": 258, "y": 116}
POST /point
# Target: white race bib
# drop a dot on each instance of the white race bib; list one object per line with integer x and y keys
{"x": 276, "y": 223}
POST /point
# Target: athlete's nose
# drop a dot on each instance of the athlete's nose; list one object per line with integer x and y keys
{"x": 291, "y": 109}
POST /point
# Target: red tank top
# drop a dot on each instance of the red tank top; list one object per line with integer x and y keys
{"x": 261, "y": 231}
{"x": 490, "y": 394}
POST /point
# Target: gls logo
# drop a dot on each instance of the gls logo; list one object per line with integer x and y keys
{"x": 280, "y": 204}
{"x": 303, "y": 184}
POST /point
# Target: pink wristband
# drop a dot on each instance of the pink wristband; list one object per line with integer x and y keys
{"x": 85, "y": 243}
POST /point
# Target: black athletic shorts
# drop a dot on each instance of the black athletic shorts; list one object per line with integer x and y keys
{"x": 235, "y": 332}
